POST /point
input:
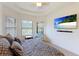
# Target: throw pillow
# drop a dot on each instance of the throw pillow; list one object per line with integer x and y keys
{"x": 10, "y": 38}
{"x": 16, "y": 48}
{"x": 18, "y": 40}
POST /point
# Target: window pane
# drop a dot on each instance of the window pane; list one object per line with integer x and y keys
{"x": 10, "y": 25}
{"x": 26, "y": 28}
{"x": 26, "y": 31}
{"x": 40, "y": 28}
{"x": 26, "y": 24}
{"x": 12, "y": 31}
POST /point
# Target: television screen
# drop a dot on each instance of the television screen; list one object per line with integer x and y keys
{"x": 66, "y": 22}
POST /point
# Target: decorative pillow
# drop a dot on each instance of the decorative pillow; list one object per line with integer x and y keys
{"x": 16, "y": 48}
{"x": 8, "y": 37}
{"x": 1, "y": 36}
{"x": 21, "y": 38}
{"x": 18, "y": 40}
{"x": 4, "y": 47}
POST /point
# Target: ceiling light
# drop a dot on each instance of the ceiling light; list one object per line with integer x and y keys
{"x": 38, "y": 4}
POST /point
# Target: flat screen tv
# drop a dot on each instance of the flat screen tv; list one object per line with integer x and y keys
{"x": 66, "y": 22}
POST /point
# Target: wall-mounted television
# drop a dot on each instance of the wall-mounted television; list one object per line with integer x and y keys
{"x": 66, "y": 22}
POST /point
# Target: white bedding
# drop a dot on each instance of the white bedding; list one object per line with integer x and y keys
{"x": 37, "y": 47}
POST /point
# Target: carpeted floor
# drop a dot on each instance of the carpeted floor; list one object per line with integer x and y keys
{"x": 37, "y": 47}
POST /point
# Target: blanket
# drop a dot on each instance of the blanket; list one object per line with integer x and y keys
{"x": 37, "y": 47}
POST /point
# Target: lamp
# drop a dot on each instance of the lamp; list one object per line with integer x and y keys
{"x": 38, "y": 4}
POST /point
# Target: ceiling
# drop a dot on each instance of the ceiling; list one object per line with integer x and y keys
{"x": 30, "y": 8}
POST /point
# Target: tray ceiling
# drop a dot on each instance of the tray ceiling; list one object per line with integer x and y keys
{"x": 31, "y": 8}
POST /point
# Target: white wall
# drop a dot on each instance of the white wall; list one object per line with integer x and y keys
{"x": 68, "y": 41}
{"x": 1, "y": 32}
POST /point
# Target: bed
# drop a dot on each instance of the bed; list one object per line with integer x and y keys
{"x": 37, "y": 47}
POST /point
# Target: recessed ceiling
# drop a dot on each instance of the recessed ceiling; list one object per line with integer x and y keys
{"x": 31, "y": 8}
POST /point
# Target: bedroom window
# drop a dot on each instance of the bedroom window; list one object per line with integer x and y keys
{"x": 40, "y": 28}
{"x": 26, "y": 28}
{"x": 10, "y": 26}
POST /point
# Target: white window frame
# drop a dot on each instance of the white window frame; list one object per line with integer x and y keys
{"x": 26, "y": 28}
{"x": 10, "y": 26}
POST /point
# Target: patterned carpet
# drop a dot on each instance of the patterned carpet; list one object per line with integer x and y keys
{"x": 37, "y": 47}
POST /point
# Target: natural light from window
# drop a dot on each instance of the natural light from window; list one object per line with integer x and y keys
{"x": 26, "y": 28}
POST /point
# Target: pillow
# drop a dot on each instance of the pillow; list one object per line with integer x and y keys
{"x": 1, "y": 36}
{"x": 21, "y": 38}
{"x": 16, "y": 48}
{"x": 8, "y": 37}
{"x": 18, "y": 40}
{"x": 5, "y": 42}
{"x": 4, "y": 48}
